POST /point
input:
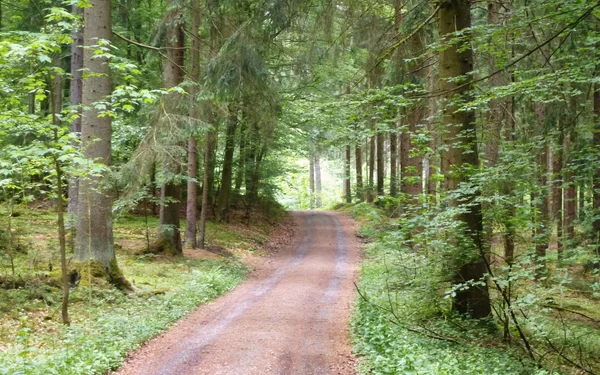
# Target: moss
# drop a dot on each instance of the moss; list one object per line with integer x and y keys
{"x": 99, "y": 275}
{"x": 117, "y": 278}
{"x": 160, "y": 246}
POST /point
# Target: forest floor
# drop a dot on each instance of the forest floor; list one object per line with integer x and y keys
{"x": 402, "y": 323}
{"x": 108, "y": 323}
{"x": 290, "y": 317}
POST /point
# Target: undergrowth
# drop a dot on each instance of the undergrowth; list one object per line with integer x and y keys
{"x": 402, "y": 322}
{"x": 107, "y": 323}
{"x": 115, "y": 323}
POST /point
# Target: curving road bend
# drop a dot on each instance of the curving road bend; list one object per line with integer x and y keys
{"x": 291, "y": 317}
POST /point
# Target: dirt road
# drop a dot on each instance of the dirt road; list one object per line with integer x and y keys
{"x": 291, "y": 317}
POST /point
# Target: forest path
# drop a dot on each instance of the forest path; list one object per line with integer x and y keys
{"x": 290, "y": 317}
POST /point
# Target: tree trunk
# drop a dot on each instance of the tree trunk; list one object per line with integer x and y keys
{"x": 226, "y": 178}
{"x": 75, "y": 92}
{"x": 542, "y": 210}
{"x": 557, "y": 194}
{"x": 206, "y": 185}
{"x": 251, "y": 158}
{"x": 318, "y": 197}
{"x": 414, "y": 164}
{"x": 370, "y": 195}
{"x": 239, "y": 177}
{"x": 431, "y": 183}
{"x": 359, "y": 176}
{"x": 192, "y": 194}
{"x": 380, "y": 163}
{"x": 311, "y": 177}
{"x": 347, "y": 176}
{"x": 596, "y": 185}
{"x": 169, "y": 232}
{"x": 404, "y": 146}
{"x": 581, "y": 201}
{"x": 94, "y": 247}
{"x": 505, "y": 189}
{"x": 393, "y": 163}
{"x": 570, "y": 189}
{"x": 457, "y": 61}
{"x": 542, "y": 228}
{"x": 192, "y": 172}
{"x": 56, "y": 107}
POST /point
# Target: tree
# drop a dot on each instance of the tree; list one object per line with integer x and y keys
{"x": 460, "y": 156}
{"x": 75, "y": 92}
{"x": 192, "y": 185}
{"x": 94, "y": 247}
{"x": 170, "y": 194}
{"x": 223, "y": 200}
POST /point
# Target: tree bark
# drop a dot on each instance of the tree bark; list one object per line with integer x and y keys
{"x": 414, "y": 164}
{"x": 570, "y": 189}
{"x": 380, "y": 163}
{"x": 239, "y": 177}
{"x": 370, "y": 193}
{"x": 311, "y": 178}
{"x": 581, "y": 201}
{"x": 192, "y": 194}
{"x": 251, "y": 164}
{"x": 75, "y": 92}
{"x": 393, "y": 162}
{"x": 94, "y": 246}
{"x": 211, "y": 139}
{"x": 359, "y": 176}
{"x": 192, "y": 172}
{"x": 431, "y": 183}
{"x": 318, "y": 197}
{"x": 596, "y": 186}
{"x": 557, "y": 194}
{"x": 457, "y": 61}
{"x": 542, "y": 207}
{"x": 169, "y": 226}
{"x": 347, "y": 176}
{"x": 227, "y": 173}
{"x": 56, "y": 107}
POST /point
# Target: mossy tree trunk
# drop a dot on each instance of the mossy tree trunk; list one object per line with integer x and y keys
{"x": 460, "y": 155}
{"x": 94, "y": 235}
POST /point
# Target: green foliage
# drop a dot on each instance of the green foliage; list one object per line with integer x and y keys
{"x": 402, "y": 322}
{"x": 107, "y": 323}
{"x": 101, "y": 343}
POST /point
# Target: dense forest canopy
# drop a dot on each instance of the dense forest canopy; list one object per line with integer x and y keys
{"x": 471, "y": 127}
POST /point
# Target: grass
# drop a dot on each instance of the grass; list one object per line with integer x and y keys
{"x": 403, "y": 324}
{"x": 106, "y": 323}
